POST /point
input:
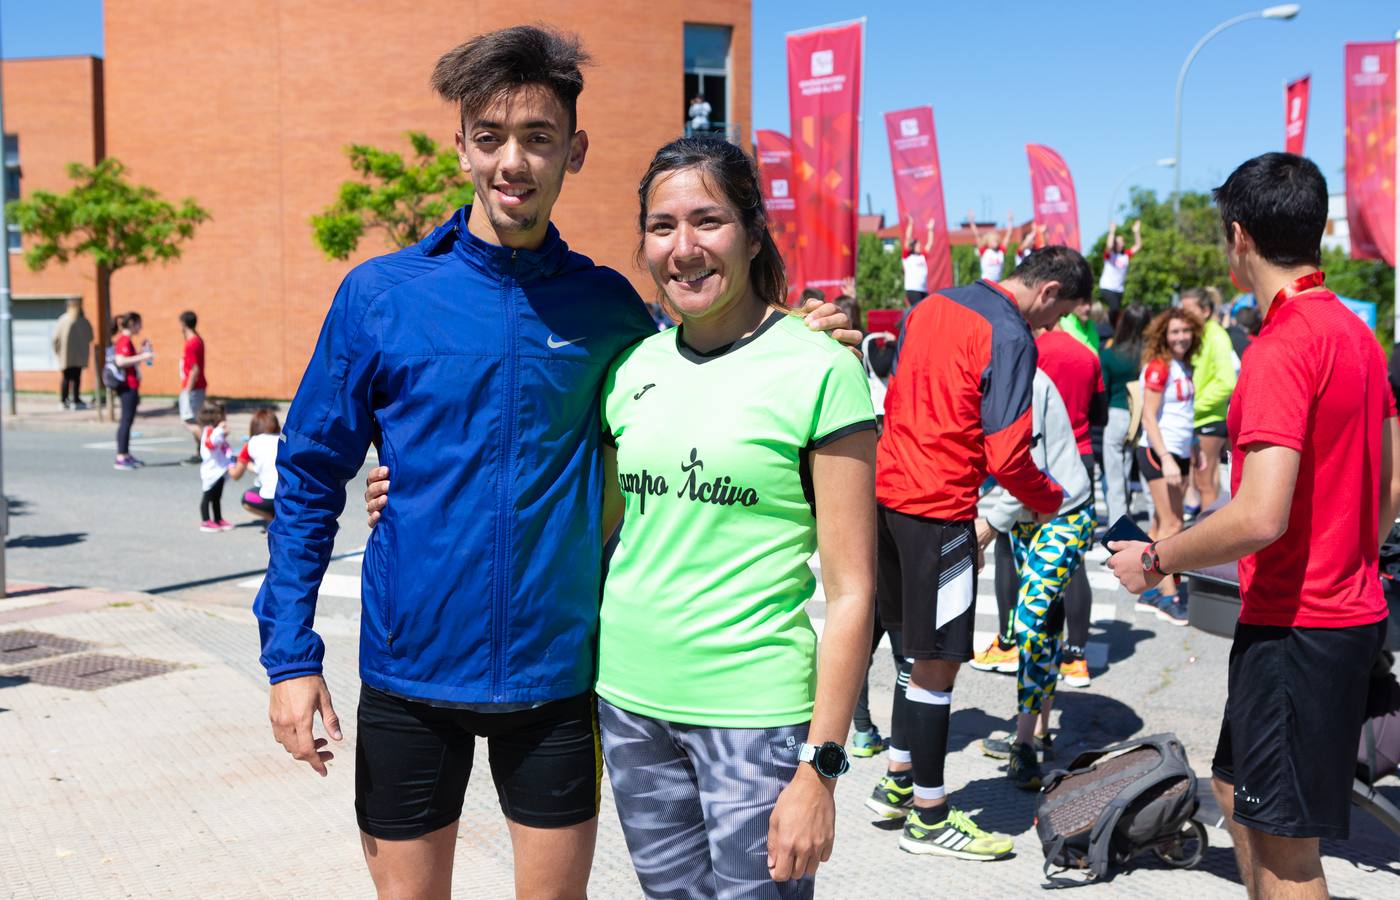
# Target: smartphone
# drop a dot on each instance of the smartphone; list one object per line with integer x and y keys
{"x": 1125, "y": 529}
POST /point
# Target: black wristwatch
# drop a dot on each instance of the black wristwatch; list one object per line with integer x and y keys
{"x": 828, "y": 759}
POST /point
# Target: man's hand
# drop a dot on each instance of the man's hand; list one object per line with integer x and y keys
{"x": 291, "y": 706}
{"x": 1170, "y": 470}
{"x": 376, "y": 493}
{"x": 802, "y": 827}
{"x": 985, "y": 535}
{"x": 1126, "y": 565}
{"x": 828, "y": 317}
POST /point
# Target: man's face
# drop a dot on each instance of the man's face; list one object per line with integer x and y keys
{"x": 1081, "y": 310}
{"x": 1046, "y": 307}
{"x": 517, "y": 152}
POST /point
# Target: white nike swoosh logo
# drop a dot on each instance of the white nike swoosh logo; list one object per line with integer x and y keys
{"x": 554, "y": 343}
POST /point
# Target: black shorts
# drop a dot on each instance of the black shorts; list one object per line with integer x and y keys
{"x": 257, "y": 501}
{"x": 1214, "y": 429}
{"x": 926, "y": 582}
{"x": 912, "y": 297}
{"x": 412, "y": 761}
{"x": 1151, "y": 470}
{"x": 1112, "y": 299}
{"x": 1293, "y": 717}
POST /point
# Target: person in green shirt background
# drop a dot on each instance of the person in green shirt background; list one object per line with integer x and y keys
{"x": 1213, "y": 371}
{"x": 1121, "y": 361}
{"x": 739, "y": 443}
{"x": 1081, "y": 325}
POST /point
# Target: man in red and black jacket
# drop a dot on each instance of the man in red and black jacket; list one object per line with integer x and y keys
{"x": 958, "y": 410}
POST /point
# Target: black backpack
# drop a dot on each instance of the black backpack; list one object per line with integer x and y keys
{"x": 1116, "y": 802}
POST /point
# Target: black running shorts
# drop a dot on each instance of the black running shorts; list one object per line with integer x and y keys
{"x": 1151, "y": 470}
{"x": 412, "y": 761}
{"x": 1292, "y": 724}
{"x": 926, "y": 583}
{"x": 1214, "y": 429}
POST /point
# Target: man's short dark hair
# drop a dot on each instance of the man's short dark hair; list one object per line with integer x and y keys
{"x": 1057, "y": 263}
{"x": 812, "y": 293}
{"x": 189, "y": 319}
{"x": 1281, "y": 200}
{"x": 490, "y": 66}
{"x": 1248, "y": 320}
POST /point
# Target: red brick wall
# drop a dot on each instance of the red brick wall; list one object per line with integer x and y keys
{"x": 247, "y": 107}
{"x": 49, "y": 104}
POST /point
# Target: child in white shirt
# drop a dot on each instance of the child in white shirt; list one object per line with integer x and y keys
{"x": 214, "y": 461}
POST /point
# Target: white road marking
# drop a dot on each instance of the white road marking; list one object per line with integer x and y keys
{"x": 332, "y": 585}
{"x": 137, "y": 442}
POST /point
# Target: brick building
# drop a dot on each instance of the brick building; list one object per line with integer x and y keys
{"x": 248, "y": 106}
{"x": 53, "y": 116}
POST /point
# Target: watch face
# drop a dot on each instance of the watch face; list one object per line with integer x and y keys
{"x": 1147, "y": 560}
{"x": 831, "y": 759}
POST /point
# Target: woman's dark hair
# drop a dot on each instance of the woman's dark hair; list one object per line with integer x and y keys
{"x": 1248, "y": 320}
{"x": 1127, "y": 337}
{"x": 851, "y": 307}
{"x": 126, "y": 320}
{"x": 189, "y": 319}
{"x": 264, "y": 421}
{"x": 1281, "y": 200}
{"x": 1154, "y": 338}
{"x": 490, "y": 66}
{"x": 732, "y": 175}
{"x": 211, "y": 413}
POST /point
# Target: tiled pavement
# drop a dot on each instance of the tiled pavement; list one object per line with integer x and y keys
{"x": 171, "y": 786}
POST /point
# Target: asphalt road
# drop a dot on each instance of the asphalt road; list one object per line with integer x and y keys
{"x": 74, "y": 520}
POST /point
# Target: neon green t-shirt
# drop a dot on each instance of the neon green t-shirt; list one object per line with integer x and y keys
{"x": 703, "y": 619}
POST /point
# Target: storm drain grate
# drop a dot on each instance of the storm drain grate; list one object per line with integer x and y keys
{"x": 26, "y": 646}
{"x": 91, "y": 671}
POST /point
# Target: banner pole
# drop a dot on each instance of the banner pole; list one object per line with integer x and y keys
{"x": 1395, "y": 188}
{"x": 860, "y": 158}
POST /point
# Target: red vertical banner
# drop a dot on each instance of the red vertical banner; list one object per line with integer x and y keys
{"x": 824, "y": 67}
{"x": 1370, "y": 86}
{"x": 1052, "y": 192}
{"x": 774, "y": 152}
{"x": 918, "y": 188}
{"x": 1295, "y": 114}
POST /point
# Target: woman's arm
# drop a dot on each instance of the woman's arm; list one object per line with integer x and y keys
{"x": 803, "y": 825}
{"x": 612, "y": 494}
{"x": 1137, "y": 235}
{"x": 1151, "y": 409}
{"x": 127, "y": 362}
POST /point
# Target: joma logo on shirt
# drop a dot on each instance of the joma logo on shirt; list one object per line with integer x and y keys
{"x": 721, "y": 491}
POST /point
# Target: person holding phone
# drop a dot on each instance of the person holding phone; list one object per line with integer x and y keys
{"x": 1168, "y": 431}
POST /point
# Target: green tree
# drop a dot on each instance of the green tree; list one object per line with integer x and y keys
{"x": 110, "y": 220}
{"x": 879, "y": 274}
{"x": 966, "y": 267}
{"x": 1171, "y": 259}
{"x": 405, "y": 200}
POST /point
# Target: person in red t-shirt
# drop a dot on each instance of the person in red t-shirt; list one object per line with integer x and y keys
{"x": 192, "y": 383}
{"x": 1315, "y": 488}
{"x": 128, "y": 361}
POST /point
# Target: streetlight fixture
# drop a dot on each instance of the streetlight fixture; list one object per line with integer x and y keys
{"x": 1167, "y": 163}
{"x": 1282, "y": 13}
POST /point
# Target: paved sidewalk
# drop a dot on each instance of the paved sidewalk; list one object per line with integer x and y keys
{"x": 171, "y": 786}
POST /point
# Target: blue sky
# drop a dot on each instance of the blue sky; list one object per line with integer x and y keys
{"x": 1094, "y": 80}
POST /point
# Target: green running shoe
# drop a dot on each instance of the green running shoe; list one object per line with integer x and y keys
{"x": 868, "y": 743}
{"x": 890, "y": 799}
{"x": 956, "y": 835}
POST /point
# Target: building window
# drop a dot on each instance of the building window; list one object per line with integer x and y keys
{"x": 12, "y": 186}
{"x": 708, "y": 76}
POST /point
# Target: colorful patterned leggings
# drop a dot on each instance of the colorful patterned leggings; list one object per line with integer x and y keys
{"x": 1046, "y": 557}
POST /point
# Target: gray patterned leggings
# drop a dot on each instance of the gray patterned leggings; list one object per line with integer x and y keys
{"x": 694, "y": 803}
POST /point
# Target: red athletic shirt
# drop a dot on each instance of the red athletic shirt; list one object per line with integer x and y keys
{"x": 1077, "y": 375}
{"x": 1315, "y": 380}
{"x": 123, "y": 346}
{"x": 959, "y": 408}
{"x": 194, "y": 356}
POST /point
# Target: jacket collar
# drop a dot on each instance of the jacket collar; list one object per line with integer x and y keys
{"x": 523, "y": 265}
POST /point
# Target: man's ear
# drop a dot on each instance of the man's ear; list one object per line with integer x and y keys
{"x": 578, "y": 149}
{"x": 1240, "y": 238}
{"x": 460, "y": 140}
{"x": 1049, "y": 292}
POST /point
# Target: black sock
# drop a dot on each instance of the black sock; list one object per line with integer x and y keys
{"x": 899, "y": 729}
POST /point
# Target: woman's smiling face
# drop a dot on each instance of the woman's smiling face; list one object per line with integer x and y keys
{"x": 695, "y": 245}
{"x": 1179, "y": 337}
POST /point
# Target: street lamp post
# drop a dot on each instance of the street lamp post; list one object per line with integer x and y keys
{"x": 1169, "y": 162}
{"x": 1283, "y": 13}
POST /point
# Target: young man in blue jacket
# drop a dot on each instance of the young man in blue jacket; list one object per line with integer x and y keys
{"x": 473, "y": 361}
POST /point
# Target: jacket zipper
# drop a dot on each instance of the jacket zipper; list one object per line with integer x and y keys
{"x": 503, "y": 512}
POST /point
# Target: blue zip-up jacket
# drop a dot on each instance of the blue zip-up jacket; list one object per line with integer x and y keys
{"x": 476, "y": 371}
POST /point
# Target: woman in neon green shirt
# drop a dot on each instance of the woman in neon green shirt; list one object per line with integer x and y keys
{"x": 739, "y": 443}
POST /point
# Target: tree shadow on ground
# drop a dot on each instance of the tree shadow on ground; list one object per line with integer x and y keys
{"x": 44, "y": 541}
{"x": 1087, "y": 721}
{"x": 7, "y": 681}
{"x": 972, "y": 724}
